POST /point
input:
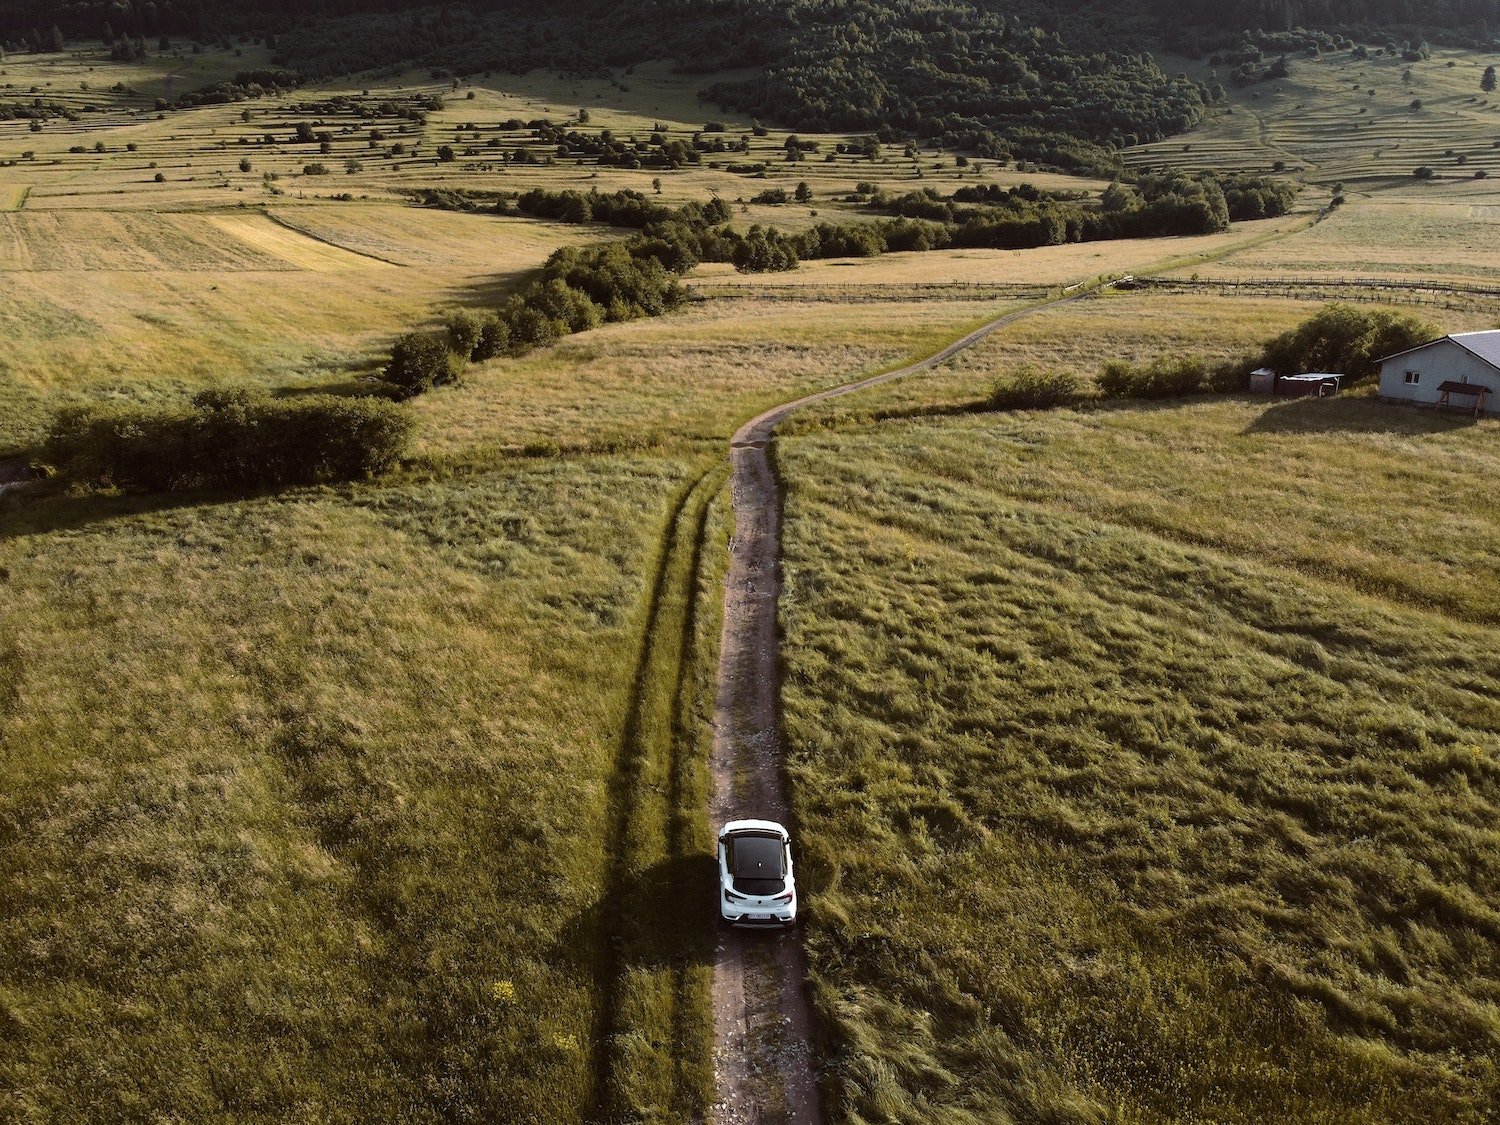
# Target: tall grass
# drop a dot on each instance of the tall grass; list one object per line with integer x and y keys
{"x": 1124, "y": 796}
{"x": 302, "y": 800}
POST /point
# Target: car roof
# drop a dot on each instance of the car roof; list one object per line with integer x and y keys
{"x": 734, "y": 827}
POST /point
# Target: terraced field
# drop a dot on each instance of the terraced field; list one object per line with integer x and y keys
{"x": 1337, "y": 119}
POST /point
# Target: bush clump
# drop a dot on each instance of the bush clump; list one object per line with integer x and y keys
{"x": 1032, "y": 388}
{"x": 465, "y": 332}
{"x": 1346, "y": 339}
{"x": 1163, "y": 377}
{"x": 419, "y": 363}
{"x": 238, "y": 438}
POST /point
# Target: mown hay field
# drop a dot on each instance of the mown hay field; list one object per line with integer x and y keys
{"x": 1147, "y": 762}
{"x": 99, "y": 306}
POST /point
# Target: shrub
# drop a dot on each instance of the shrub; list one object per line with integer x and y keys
{"x": 494, "y": 339}
{"x": 529, "y": 327}
{"x": 231, "y": 439}
{"x": 1346, "y": 339}
{"x": 315, "y": 169}
{"x": 419, "y": 363}
{"x": 465, "y": 330}
{"x": 1163, "y": 377}
{"x": 1032, "y": 388}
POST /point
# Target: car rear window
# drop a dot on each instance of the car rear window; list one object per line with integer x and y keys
{"x": 752, "y": 857}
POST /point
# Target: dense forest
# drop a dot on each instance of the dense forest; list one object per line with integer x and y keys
{"x": 1061, "y": 83}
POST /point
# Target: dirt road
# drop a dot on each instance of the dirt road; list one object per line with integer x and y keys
{"x": 763, "y": 1061}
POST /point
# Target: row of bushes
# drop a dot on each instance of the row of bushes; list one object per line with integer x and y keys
{"x": 579, "y": 288}
{"x": 230, "y": 439}
{"x": 1340, "y": 338}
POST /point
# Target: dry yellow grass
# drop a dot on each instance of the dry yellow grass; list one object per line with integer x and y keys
{"x": 282, "y": 241}
{"x": 1434, "y": 231}
{"x": 1338, "y": 118}
{"x": 1080, "y": 336}
{"x": 694, "y": 375}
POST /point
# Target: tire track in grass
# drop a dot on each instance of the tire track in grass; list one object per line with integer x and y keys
{"x": 647, "y": 1031}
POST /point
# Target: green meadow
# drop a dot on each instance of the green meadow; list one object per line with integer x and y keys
{"x": 1147, "y": 759}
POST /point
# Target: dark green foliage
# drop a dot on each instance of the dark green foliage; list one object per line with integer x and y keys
{"x": 1032, "y": 388}
{"x": 1343, "y": 338}
{"x": 494, "y": 339}
{"x": 765, "y": 250}
{"x": 465, "y": 331}
{"x": 1257, "y": 197}
{"x": 1163, "y": 377}
{"x": 419, "y": 363}
{"x": 231, "y": 439}
{"x": 1487, "y": 80}
{"x": 1423, "y": 172}
{"x": 618, "y": 208}
{"x": 527, "y": 327}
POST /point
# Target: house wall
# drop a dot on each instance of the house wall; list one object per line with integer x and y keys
{"x": 1438, "y": 362}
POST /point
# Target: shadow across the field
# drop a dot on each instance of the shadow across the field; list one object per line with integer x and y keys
{"x": 1354, "y": 416}
{"x": 684, "y": 883}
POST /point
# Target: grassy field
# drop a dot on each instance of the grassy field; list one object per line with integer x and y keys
{"x": 303, "y": 796}
{"x": 1346, "y": 120}
{"x": 1147, "y": 763}
{"x": 1427, "y": 232}
{"x": 384, "y": 799}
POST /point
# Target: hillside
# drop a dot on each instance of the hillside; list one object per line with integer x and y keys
{"x": 1066, "y": 85}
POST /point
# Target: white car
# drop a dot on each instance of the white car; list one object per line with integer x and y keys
{"x": 756, "y": 887}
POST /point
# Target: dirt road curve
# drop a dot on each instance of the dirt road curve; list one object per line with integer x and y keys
{"x": 763, "y": 1061}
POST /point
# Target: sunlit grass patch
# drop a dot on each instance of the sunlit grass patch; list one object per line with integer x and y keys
{"x": 290, "y": 784}
{"x": 1141, "y": 772}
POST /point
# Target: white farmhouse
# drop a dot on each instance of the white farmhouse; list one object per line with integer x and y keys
{"x": 1461, "y": 371}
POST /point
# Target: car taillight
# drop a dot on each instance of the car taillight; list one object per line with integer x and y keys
{"x": 732, "y": 897}
{"x": 784, "y": 898}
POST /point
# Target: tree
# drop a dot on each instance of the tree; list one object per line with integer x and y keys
{"x": 59, "y": 44}
{"x": 446, "y": 154}
{"x": 1345, "y": 338}
{"x": 1487, "y": 80}
{"x": 465, "y": 331}
{"x": 804, "y": 193}
{"x": 418, "y": 363}
{"x": 245, "y": 165}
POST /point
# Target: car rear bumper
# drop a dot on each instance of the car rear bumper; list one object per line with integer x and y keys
{"x": 761, "y": 921}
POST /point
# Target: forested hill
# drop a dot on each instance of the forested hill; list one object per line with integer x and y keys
{"x": 1060, "y": 82}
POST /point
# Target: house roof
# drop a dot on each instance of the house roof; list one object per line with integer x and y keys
{"x": 1453, "y": 387}
{"x": 1484, "y": 345}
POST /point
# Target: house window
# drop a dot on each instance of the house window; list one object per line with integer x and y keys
{"x": 1413, "y": 378}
